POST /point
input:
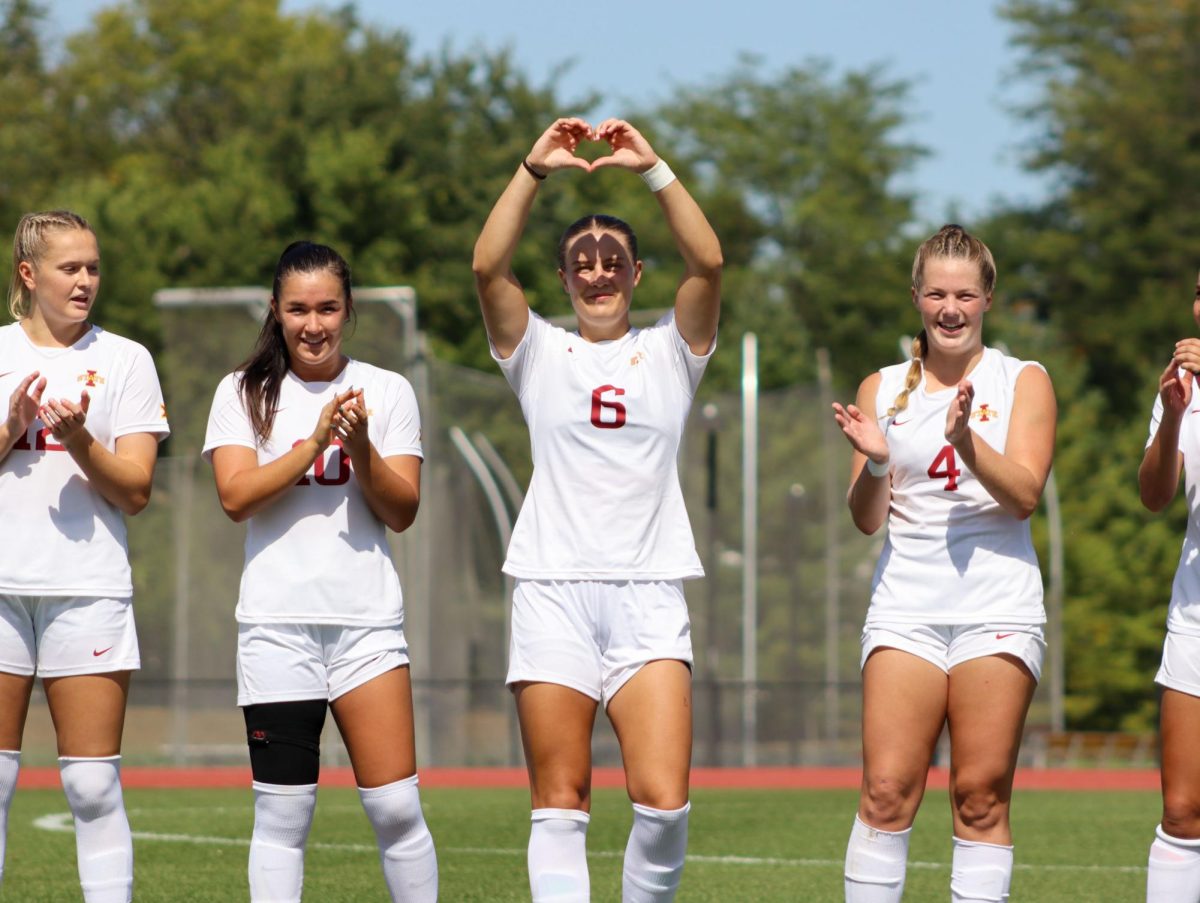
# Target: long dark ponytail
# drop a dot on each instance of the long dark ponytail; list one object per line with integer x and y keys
{"x": 263, "y": 371}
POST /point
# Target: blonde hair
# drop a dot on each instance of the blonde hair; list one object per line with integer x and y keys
{"x": 29, "y": 244}
{"x": 954, "y": 242}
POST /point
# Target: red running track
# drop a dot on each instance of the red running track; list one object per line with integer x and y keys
{"x": 725, "y": 778}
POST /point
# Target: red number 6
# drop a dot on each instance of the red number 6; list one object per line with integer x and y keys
{"x": 599, "y": 404}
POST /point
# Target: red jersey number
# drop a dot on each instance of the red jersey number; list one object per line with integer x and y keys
{"x": 616, "y": 419}
{"x": 40, "y": 442}
{"x": 944, "y": 466}
{"x": 321, "y": 474}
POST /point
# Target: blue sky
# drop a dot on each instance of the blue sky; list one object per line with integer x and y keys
{"x": 957, "y": 56}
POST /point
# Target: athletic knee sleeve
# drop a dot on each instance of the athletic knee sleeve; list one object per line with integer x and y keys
{"x": 285, "y": 740}
{"x": 10, "y": 764}
{"x": 980, "y": 872}
{"x": 1174, "y": 869}
{"x": 876, "y": 862}
{"x": 103, "y": 842}
{"x": 558, "y": 871}
{"x": 405, "y": 845}
{"x": 282, "y": 817}
{"x": 654, "y": 854}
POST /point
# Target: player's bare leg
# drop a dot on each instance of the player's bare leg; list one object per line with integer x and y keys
{"x": 989, "y": 698}
{"x": 652, "y": 716}
{"x": 14, "y": 707}
{"x": 88, "y": 711}
{"x": 556, "y": 730}
{"x": 1175, "y": 853}
{"x": 376, "y": 722}
{"x": 904, "y": 709}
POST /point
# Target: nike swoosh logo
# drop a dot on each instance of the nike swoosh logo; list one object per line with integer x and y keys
{"x": 10, "y": 372}
{"x": 901, "y": 422}
{"x": 1004, "y": 636}
{"x": 99, "y": 652}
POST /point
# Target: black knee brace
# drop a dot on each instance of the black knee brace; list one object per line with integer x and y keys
{"x": 285, "y": 740}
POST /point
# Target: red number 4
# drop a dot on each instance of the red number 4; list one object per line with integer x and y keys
{"x": 945, "y": 461}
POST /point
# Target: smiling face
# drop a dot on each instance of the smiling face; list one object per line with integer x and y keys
{"x": 312, "y": 309}
{"x": 599, "y": 275}
{"x": 63, "y": 282}
{"x": 952, "y": 302}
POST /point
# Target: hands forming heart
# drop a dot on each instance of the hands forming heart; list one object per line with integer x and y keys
{"x": 556, "y": 148}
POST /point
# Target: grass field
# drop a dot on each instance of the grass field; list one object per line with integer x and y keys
{"x": 745, "y": 846}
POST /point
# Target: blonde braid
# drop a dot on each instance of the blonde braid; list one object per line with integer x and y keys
{"x": 912, "y": 378}
{"x": 29, "y": 244}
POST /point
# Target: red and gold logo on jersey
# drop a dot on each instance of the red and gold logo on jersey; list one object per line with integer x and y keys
{"x": 90, "y": 378}
{"x": 637, "y": 358}
{"x": 984, "y": 413}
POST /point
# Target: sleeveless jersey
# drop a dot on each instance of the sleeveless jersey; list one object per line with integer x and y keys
{"x": 318, "y": 554}
{"x": 1183, "y": 615}
{"x": 952, "y": 554}
{"x": 61, "y": 537}
{"x": 605, "y": 421}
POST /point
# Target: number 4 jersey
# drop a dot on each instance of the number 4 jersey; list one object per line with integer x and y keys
{"x": 318, "y": 554}
{"x": 952, "y": 554}
{"x": 605, "y": 421}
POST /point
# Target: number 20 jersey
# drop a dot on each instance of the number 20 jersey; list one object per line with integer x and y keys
{"x": 605, "y": 421}
{"x": 952, "y": 554}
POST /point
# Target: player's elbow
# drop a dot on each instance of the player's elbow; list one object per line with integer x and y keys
{"x": 135, "y": 502}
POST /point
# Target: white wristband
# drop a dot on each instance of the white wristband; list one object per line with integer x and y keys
{"x": 658, "y": 176}
{"x": 879, "y": 470}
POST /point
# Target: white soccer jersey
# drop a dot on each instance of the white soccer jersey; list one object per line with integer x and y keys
{"x": 1184, "y": 613}
{"x": 952, "y": 554}
{"x": 605, "y": 421}
{"x": 61, "y": 537}
{"x": 318, "y": 554}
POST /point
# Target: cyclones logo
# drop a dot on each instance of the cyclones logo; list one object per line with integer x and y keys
{"x": 984, "y": 413}
{"x": 90, "y": 378}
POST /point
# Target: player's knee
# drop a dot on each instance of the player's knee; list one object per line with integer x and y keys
{"x": 561, "y": 795}
{"x": 92, "y": 786}
{"x": 285, "y": 741}
{"x": 889, "y": 804}
{"x": 978, "y": 803}
{"x": 1181, "y": 815}
{"x": 663, "y": 797}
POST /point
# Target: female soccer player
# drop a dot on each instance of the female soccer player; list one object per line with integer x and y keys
{"x": 77, "y": 451}
{"x": 603, "y": 542}
{"x": 320, "y": 454}
{"x": 1174, "y": 446}
{"x": 952, "y": 450}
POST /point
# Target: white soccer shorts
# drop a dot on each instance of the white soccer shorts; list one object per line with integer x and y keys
{"x": 290, "y": 662}
{"x": 947, "y": 645}
{"x": 1180, "y": 668}
{"x": 594, "y": 635}
{"x": 61, "y": 636}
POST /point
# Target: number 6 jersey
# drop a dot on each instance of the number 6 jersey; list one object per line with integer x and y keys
{"x": 605, "y": 421}
{"x": 952, "y": 554}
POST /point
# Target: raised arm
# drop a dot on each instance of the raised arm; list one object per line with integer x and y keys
{"x": 505, "y": 310}
{"x": 124, "y": 476}
{"x": 1158, "y": 475}
{"x": 1016, "y": 478}
{"x": 698, "y": 298}
{"x": 245, "y": 487}
{"x": 870, "y": 487}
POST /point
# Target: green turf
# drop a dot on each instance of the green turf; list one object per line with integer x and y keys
{"x": 745, "y": 846}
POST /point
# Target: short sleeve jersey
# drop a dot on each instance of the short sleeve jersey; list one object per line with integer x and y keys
{"x": 62, "y": 538}
{"x": 605, "y": 422}
{"x": 1184, "y": 613}
{"x": 318, "y": 554}
{"x": 952, "y": 554}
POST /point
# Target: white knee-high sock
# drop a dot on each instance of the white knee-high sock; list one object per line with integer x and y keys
{"x": 654, "y": 854}
{"x": 103, "y": 842}
{"x": 558, "y": 871}
{"x": 1174, "y": 869}
{"x": 876, "y": 862}
{"x": 980, "y": 872}
{"x": 405, "y": 844}
{"x": 10, "y": 764}
{"x": 282, "y": 818}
